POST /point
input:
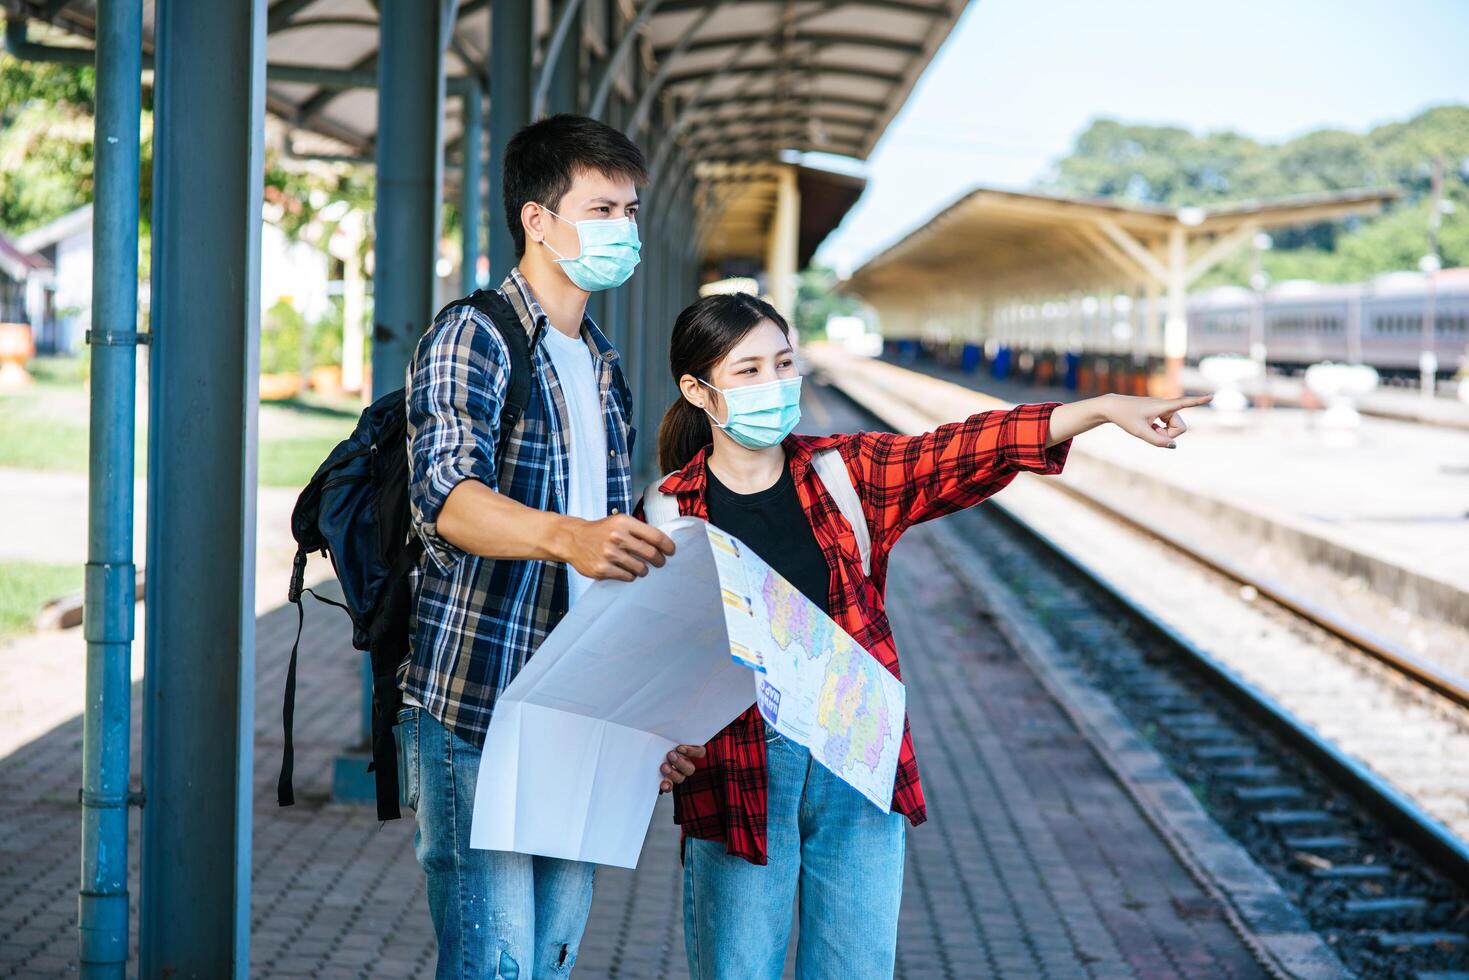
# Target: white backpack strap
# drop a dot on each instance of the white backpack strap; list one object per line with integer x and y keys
{"x": 838, "y": 482}
{"x": 658, "y": 507}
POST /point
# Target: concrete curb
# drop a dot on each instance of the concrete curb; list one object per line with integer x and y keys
{"x": 1261, "y": 913}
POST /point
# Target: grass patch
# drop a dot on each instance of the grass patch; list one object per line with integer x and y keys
{"x": 26, "y": 586}
{"x": 59, "y": 370}
{"x": 291, "y": 462}
{"x": 44, "y": 427}
{"x": 30, "y": 439}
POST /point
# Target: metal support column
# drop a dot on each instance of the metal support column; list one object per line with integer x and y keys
{"x": 510, "y": 95}
{"x": 199, "y": 705}
{"x": 409, "y": 173}
{"x": 410, "y": 165}
{"x": 471, "y": 203}
{"x": 1175, "y": 322}
{"x": 559, "y": 76}
{"x": 108, "y": 623}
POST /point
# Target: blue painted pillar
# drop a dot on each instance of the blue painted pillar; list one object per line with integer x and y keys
{"x": 410, "y": 166}
{"x": 410, "y": 155}
{"x": 471, "y": 202}
{"x": 198, "y": 714}
{"x": 562, "y": 93}
{"x": 510, "y": 96}
{"x": 102, "y": 909}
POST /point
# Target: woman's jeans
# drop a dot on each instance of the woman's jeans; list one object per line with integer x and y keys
{"x": 845, "y": 854}
{"x": 496, "y": 913}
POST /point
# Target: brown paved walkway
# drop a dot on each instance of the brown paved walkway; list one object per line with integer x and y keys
{"x": 1034, "y": 864}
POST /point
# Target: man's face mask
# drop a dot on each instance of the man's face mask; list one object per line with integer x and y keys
{"x": 760, "y": 416}
{"x": 609, "y": 252}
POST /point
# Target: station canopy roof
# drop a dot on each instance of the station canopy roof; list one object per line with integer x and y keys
{"x": 747, "y": 79}
{"x": 999, "y": 244}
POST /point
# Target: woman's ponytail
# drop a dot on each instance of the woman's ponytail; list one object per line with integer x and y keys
{"x": 683, "y": 432}
{"x": 703, "y": 335}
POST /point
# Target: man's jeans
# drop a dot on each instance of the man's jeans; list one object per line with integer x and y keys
{"x": 496, "y": 913}
{"x": 844, "y": 853}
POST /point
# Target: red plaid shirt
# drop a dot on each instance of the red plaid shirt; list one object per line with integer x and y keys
{"x": 901, "y": 481}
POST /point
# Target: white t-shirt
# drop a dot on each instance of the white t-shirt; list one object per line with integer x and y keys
{"x": 586, "y": 443}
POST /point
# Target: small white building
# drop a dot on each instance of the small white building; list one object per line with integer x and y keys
{"x": 53, "y": 265}
{"x": 21, "y": 276}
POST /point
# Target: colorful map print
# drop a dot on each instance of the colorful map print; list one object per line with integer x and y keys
{"x": 852, "y": 710}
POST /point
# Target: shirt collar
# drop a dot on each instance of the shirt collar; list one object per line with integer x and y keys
{"x": 533, "y": 317}
{"x": 694, "y": 477}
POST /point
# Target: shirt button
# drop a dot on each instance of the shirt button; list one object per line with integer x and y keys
{"x": 616, "y": 511}
{"x": 612, "y": 453}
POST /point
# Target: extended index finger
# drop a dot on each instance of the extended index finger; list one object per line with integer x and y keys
{"x": 1191, "y": 401}
{"x": 653, "y": 536}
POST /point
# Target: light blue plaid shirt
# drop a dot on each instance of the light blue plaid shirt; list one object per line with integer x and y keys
{"x": 478, "y": 620}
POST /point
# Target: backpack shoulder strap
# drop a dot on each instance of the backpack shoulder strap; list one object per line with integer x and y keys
{"x": 658, "y": 507}
{"x": 838, "y": 482}
{"x": 507, "y": 322}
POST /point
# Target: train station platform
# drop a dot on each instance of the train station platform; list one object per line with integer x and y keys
{"x": 1036, "y": 862}
{"x": 1381, "y": 512}
{"x": 1403, "y": 404}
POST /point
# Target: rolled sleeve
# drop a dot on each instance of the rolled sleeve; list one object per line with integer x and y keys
{"x": 456, "y": 387}
{"x": 905, "y": 480}
{"x": 1023, "y": 436}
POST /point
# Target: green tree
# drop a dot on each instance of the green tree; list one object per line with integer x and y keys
{"x": 1169, "y": 165}
{"x": 817, "y": 298}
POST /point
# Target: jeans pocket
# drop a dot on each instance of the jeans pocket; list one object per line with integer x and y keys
{"x": 408, "y": 758}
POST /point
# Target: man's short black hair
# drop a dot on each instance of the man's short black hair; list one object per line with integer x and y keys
{"x": 542, "y": 159}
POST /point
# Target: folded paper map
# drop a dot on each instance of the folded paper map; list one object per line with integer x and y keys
{"x": 570, "y": 763}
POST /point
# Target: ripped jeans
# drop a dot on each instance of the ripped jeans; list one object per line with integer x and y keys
{"x": 496, "y": 914}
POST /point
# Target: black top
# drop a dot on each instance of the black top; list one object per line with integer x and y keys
{"x": 774, "y": 525}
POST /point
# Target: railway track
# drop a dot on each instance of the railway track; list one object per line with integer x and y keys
{"x": 1294, "y": 758}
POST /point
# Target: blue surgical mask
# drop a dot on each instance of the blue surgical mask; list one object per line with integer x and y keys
{"x": 760, "y": 416}
{"x": 609, "y": 252}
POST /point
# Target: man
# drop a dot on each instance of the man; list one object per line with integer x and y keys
{"x": 516, "y": 523}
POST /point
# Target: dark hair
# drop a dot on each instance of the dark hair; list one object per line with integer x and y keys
{"x": 542, "y": 159}
{"x": 704, "y": 333}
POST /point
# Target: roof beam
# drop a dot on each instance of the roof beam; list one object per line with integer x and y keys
{"x": 1121, "y": 259}
{"x": 318, "y": 102}
{"x": 282, "y": 11}
{"x": 1133, "y": 248}
{"x": 703, "y": 124}
{"x": 773, "y": 67}
{"x": 1221, "y": 248}
{"x": 824, "y": 39}
{"x": 300, "y": 22}
{"x": 898, "y": 6}
{"x": 846, "y": 101}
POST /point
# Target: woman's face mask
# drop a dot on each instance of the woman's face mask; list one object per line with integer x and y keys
{"x": 609, "y": 252}
{"x": 760, "y": 416}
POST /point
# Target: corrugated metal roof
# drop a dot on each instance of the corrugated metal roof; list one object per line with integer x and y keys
{"x": 741, "y": 80}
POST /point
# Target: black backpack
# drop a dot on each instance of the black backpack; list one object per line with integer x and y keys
{"x": 355, "y": 511}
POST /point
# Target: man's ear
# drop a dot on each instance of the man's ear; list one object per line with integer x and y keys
{"x": 532, "y": 219}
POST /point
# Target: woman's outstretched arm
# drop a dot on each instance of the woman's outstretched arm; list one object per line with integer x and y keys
{"x": 1153, "y": 420}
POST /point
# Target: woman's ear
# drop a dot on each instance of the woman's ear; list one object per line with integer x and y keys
{"x": 693, "y": 392}
{"x": 701, "y": 396}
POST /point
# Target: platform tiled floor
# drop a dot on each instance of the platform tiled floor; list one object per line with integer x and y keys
{"x": 1035, "y": 862}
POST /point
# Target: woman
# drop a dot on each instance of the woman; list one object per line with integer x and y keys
{"x": 759, "y": 817}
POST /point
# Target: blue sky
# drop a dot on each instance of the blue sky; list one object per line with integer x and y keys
{"x": 1017, "y": 80}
